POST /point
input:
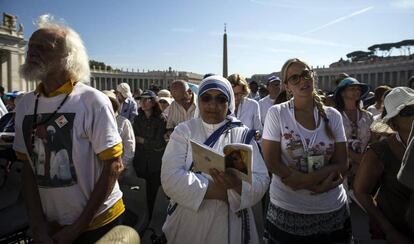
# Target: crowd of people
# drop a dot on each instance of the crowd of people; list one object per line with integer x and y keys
{"x": 310, "y": 161}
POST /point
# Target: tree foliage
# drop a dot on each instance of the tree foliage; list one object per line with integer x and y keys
{"x": 359, "y": 54}
{"x": 387, "y": 47}
{"x": 99, "y": 65}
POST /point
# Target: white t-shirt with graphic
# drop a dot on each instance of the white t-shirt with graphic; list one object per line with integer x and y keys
{"x": 281, "y": 126}
{"x": 64, "y": 150}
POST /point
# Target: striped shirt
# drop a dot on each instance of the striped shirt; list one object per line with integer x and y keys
{"x": 178, "y": 114}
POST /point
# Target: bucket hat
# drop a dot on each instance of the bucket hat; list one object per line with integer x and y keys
{"x": 349, "y": 81}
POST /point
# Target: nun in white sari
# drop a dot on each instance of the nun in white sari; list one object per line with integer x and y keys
{"x": 214, "y": 208}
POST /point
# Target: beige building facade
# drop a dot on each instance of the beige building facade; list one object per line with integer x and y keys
{"x": 392, "y": 71}
{"x": 12, "y": 54}
{"x": 107, "y": 80}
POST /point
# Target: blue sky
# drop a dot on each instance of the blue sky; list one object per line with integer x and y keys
{"x": 187, "y": 34}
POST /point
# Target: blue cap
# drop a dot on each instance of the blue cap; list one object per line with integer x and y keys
{"x": 148, "y": 94}
{"x": 349, "y": 81}
{"x": 273, "y": 78}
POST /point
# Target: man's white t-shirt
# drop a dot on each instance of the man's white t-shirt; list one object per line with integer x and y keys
{"x": 265, "y": 103}
{"x": 280, "y": 126}
{"x": 64, "y": 155}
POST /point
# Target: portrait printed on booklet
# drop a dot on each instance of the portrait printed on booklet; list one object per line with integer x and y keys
{"x": 236, "y": 158}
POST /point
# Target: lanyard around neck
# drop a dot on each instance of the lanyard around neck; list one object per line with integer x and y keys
{"x": 306, "y": 146}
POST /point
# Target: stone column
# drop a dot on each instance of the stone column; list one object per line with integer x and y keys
{"x": 13, "y": 76}
{"x": 3, "y": 69}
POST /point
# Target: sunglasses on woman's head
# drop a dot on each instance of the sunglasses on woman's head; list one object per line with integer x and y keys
{"x": 407, "y": 111}
{"x": 205, "y": 98}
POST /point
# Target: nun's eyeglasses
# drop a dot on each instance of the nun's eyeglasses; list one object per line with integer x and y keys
{"x": 206, "y": 98}
{"x": 295, "y": 79}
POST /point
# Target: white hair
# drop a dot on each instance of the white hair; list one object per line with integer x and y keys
{"x": 76, "y": 61}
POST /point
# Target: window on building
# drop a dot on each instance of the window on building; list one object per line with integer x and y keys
{"x": 372, "y": 78}
{"x": 387, "y": 77}
{"x": 365, "y": 78}
{"x": 380, "y": 78}
{"x": 395, "y": 77}
{"x": 403, "y": 77}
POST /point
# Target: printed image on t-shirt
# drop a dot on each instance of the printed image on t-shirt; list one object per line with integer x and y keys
{"x": 50, "y": 148}
{"x": 294, "y": 149}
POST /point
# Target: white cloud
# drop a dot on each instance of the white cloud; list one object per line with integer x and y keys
{"x": 340, "y": 19}
{"x": 284, "y": 37}
{"x": 403, "y": 3}
{"x": 182, "y": 30}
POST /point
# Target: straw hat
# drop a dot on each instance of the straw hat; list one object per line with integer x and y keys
{"x": 113, "y": 99}
{"x": 120, "y": 234}
{"x": 164, "y": 93}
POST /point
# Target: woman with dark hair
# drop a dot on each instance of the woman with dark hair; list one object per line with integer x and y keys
{"x": 149, "y": 129}
{"x": 347, "y": 96}
{"x": 304, "y": 146}
{"x": 380, "y": 166}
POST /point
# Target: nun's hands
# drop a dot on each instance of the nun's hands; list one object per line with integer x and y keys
{"x": 227, "y": 180}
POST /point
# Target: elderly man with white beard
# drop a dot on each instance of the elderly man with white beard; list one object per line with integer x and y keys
{"x": 85, "y": 204}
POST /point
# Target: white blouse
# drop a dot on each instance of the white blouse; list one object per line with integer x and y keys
{"x": 248, "y": 112}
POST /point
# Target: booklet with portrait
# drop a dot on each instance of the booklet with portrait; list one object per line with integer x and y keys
{"x": 236, "y": 158}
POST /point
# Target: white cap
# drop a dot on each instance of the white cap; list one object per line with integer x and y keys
{"x": 124, "y": 89}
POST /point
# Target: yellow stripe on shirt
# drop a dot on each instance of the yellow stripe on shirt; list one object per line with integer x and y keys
{"x": 110, "y": 153}
{"x": 108, "y": 216}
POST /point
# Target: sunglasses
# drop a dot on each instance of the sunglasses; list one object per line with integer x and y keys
{"x": 295, "y": 79}
{"x": 221, "y": 99}
{"x": 407, "y": 111}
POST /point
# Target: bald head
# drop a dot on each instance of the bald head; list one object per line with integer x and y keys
{"x": 180, "y": 91}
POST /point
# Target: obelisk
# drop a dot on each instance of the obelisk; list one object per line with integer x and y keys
{"x": 225, "y": 52}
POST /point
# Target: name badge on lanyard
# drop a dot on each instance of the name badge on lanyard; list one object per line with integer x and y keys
{"x": 313, "y": 162}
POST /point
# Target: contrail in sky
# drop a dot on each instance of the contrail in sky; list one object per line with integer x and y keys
{"x": 339, "y": 20}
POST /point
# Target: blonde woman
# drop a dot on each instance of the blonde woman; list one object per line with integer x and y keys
{"x": 304, "y": 146}
{"x": 246, "y": 110}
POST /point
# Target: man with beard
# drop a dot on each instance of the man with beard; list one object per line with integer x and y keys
{"x": 87, "y": 202}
